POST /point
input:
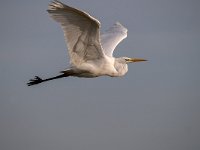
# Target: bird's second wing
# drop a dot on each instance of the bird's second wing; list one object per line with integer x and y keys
{"x": 112, "y": 37}
{"x": 81, "y": 32}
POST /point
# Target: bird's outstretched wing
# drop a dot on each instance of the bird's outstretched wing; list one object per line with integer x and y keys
{"x": 81, "y": 32}
{"x": 112, "y": 37}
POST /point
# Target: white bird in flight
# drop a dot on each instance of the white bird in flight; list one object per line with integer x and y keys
{"x": 91, "y": 53}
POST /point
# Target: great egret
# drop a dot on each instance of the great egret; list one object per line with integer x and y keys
{"x": 91, "y": 54}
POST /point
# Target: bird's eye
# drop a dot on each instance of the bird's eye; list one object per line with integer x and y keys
{"x": 126, "y": 59}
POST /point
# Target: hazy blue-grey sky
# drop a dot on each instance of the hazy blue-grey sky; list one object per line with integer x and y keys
{"x": 155, "y": 106}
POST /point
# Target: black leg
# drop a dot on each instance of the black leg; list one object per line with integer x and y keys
{"x": 38, "y": 80}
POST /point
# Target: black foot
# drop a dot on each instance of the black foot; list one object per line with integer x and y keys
{"x": 34, "y": 81}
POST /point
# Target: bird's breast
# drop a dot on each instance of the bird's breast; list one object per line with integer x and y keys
{"x": 99, "y": 67}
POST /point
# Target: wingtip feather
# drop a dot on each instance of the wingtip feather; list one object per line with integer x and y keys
{"x": 54, "y": 5}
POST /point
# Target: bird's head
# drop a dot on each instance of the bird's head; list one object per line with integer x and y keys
{"x": 121, "y": 64}
{"x": 132, "y": 60}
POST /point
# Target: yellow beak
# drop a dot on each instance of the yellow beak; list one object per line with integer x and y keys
{"x": 136, "y": 60}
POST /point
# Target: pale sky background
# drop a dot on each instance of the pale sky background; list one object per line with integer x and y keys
{"x": 155, "y": 106}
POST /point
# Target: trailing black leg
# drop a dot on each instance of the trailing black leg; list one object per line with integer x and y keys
{"x": 38, "y": 80}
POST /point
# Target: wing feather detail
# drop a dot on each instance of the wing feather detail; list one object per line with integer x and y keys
{"x": 81, "y": 32}
{"x": 112, "y": 37}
